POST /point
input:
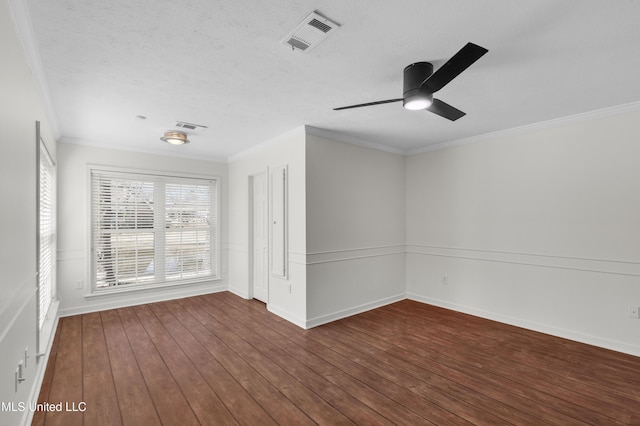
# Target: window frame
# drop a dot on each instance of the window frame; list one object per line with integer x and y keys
{"x": 45, "y": 319}
{"x": 168, "y": 178}
{"x": 45, "y": 244}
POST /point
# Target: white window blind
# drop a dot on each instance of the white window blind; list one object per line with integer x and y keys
{"x": 151, "y": 229}
{"x": 47, "y": 234}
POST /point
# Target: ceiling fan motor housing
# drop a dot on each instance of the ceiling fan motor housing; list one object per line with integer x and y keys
{"x": 414, "y": 75}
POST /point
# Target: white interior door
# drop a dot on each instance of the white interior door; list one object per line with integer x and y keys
{"x": 278, "y": 220}
{"x": 260, "y": 237}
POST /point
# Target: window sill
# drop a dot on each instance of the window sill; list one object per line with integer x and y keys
{"x": 146, "y": 288}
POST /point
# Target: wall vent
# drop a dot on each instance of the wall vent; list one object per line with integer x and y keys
{"x": 310, "y": 32}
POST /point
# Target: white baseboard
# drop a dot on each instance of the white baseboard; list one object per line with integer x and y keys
{"x": 238, "y": 292}
{"x": 324, "y": 319}
{"x": 531, "y": 325}
{"x": 41, "y": 364}
{"x": 283, "y": 313}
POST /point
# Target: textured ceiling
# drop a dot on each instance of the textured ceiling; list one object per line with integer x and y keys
{"x": 221, "y": 64}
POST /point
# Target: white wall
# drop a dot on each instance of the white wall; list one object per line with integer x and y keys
{"x": 73, "y": 228}
{"x": 355, "y": 229}
{"x": 20, "y": 107}
{"x": 287, "y": 149}
{"x": 538, "y": 229}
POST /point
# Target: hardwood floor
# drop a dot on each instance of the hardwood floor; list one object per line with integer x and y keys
{"x": 219, "y": 359}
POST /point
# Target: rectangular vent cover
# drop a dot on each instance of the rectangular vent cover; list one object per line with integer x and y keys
{"x": 310, "y": 32}
{"x": 194, "y": 128}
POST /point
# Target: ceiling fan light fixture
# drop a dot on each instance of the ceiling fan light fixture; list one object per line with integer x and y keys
{"x": 175, "y": 138}
{"x": 417, "y": 104}
{"x": 420, "y": 83}
{"x": 417, "y": 101}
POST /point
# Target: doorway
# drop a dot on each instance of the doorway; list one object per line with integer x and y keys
{"x": 259, "y": 237}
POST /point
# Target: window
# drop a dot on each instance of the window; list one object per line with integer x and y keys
{"x": 46, "y": 233}
{"x": 151, "y": 229}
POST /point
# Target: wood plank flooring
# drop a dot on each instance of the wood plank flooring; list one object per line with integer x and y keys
{"x": 219, "y": 359}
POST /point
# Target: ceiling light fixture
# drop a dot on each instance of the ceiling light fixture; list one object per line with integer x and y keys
{"x": 415, "y": 95}
{"x": 418, "y": 101}
{"x": 175, "y": 138}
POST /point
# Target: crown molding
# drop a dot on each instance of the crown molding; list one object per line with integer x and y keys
{"x": 120, "y": 147}
{"x": 591, "y": 115}
{"x": 337, "y": 136}
{"x": 19, "y": 11}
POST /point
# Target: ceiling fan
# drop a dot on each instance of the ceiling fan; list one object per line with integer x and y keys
{"x": 420, "y": 83}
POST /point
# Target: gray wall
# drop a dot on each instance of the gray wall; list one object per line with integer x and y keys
{"x": 355, "y": 229}
{"x": 539, "y": 229}
{"x": 20, "y": 107}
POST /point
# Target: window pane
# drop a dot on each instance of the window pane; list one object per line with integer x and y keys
{"x": 124, "y": 230}
{"x": 188, "y": 254}
{"x": 125, "y": 258}
{"x": 188, "y": 239}
{"x": 47, "y": 240}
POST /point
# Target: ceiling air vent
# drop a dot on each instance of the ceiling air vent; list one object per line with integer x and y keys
{"x": 197, "y": 128}
{"x": 310, "y": 32}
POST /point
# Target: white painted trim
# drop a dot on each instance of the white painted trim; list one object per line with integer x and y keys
{"x": 45, "y": 334}
{"x": 298, "y": 258}
{"x": 145, "y": 288}
{"x": 179, "y": 293}
{"x": 239, "y": 292}
{"x": 132, "y": 148}
{"x": 353, "y": 254}
{"x": 327, "y": 256}
{"x": 324, "y": 319}
{"x": 153, "y": 172}
{"x": 600, "y": 266}
{"x": 394, "y": 246}
{"x": 591, "y": 115}
{"x": 530, "y": 325}
{"x": 555, "y": 256}
{"x": 19, "y": 10}
{"x": 283, "y": 313}
{"x": 41, "y": 364}
{"x": 344, "y": 259}
{"x": 338, "y": 137}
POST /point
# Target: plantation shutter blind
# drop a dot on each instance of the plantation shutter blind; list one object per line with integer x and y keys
{"x": 152, "y": 229}
{"x": 47, "y": 234}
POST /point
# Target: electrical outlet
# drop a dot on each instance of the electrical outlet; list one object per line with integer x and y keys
{"x": 79, "y": 285}
{"x": 634, "y": 312}
{"x": 445, "y": 280}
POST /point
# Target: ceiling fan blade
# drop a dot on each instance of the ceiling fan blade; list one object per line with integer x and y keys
{"x": 453, "y": 67}
{"x": 445, "y": 110}
{"x": 369, "y": 104}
